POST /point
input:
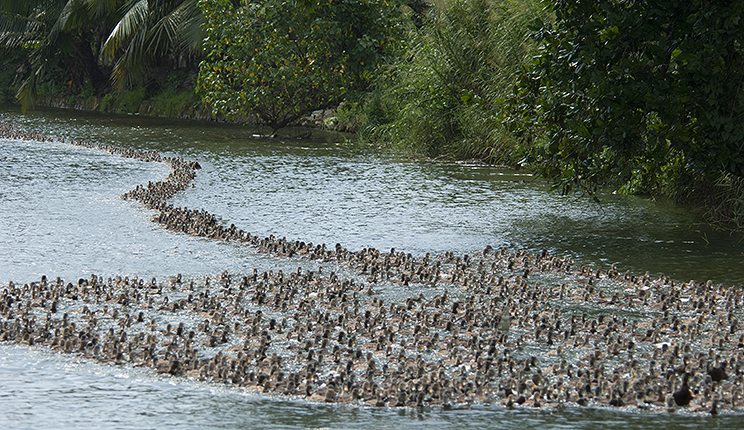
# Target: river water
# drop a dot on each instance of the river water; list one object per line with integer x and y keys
{"x": 61, "y": 215}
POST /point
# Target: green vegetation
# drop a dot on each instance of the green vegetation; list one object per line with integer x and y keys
{"x": 278, "y": 60}
{"x": 55, "y": 38}
{"x": 640, "y": 96}
{"x": 444, "y": 97}
{"x": 643, "y": 97}
{"x": 79, "y": 41}
{"x": 154, "y": 35}
{"x": 131, "y": 100}
{"x": 172, "y": 104}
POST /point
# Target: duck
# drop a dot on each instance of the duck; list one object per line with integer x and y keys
{"x": 683, "y": 395}
{"x": 718, "y": 373}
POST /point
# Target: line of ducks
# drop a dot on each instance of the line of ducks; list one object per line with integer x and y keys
{"x": 515, "y": 328}
{"x": 10, "y": 131}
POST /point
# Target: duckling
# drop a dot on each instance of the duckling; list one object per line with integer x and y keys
{"x": 714, "y": 406}
{"x": 505, "y": 322}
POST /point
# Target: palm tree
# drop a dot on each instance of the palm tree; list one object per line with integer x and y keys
{"x": 58, "y": 36}
{"x": 82, "y": 38}
{"x": 153, "y": 33}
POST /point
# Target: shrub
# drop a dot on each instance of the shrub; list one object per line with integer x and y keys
{"x": 132, "y": 100}
{"x": 445, "y": 95}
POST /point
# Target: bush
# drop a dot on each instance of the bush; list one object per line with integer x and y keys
{"x": 727, "y": 206}
{"x": 445, "y": 95}
{"x": 642, "y": 96}
{"x": 132, "y": 100}
{"x": 173, "y": 104}
{"x": 279, "y": 60}
{"x": 108, "y": 103}
{"x": 87, "y": 91}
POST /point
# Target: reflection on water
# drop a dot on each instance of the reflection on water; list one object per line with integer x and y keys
{"x": 61, "y": 215}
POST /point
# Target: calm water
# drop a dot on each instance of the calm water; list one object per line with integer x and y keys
{"x": 61, "y": 215}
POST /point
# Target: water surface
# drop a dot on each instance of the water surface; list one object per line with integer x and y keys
{"x": 61, "y": 215}
{"x": 319, "y": 191}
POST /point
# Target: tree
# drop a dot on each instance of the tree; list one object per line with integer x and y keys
{"x": 277, "y": 60}
{"x": 645, "y": 95}
{"x": 153, "y": 33}
{"x": 58, "y": 36}
{"x": 79, "y": 39}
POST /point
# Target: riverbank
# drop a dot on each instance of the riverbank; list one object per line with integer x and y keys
{"x": 181, "y": 105}
{"x": 511, "y": 328}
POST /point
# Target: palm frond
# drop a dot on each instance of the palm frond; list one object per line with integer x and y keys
{"x": 103, "y": 9}
{"x": 164, "y": 34}
{"x": 39, "y": 59}
{"x": 153, "y": 30}
{"x": 73, "y": 13}
{"x": 27, "y": 93}
{"x": 130, "y": 68}
{"x": 192, "y": 28}
{"x": 23, "y": 23}
{"x": 14, "y": 31}
{"x": 134, "y": 20}
{"x": 29, "y": 7}
{"x": 179, "y": 30}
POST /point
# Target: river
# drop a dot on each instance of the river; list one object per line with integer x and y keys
{"x": 61, "y": 215}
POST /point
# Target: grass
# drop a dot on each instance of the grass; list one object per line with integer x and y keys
{"x": 444, "y": 96}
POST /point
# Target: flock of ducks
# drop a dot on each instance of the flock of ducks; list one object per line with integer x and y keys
{"x": 520, "y": 329}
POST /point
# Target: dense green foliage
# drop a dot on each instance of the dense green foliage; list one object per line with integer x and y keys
{"x": 443, "y": 98}
{"x": 644, "y": 95}
{"x": 74, "y": 43}
{"x": 279, "y": 59}
{"x": 640, "y": 95}
{"x": 62, "y": 38}
{"x": 154, "y": 34}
